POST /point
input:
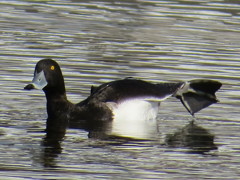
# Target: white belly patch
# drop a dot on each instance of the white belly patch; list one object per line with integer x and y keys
{"x": 134, "y": 118}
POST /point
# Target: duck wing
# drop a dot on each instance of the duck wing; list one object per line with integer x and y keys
{"x": 126, "y": 89}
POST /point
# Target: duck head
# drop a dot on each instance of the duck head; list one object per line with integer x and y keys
{"x": 48, "y": 77}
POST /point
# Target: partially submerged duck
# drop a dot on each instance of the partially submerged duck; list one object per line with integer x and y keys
{"x": 130, "y": 100}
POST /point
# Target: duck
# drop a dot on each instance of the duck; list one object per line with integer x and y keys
{"x": 127, "y": 100}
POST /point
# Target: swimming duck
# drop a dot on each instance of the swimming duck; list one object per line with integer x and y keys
{"x": 129, "y": 99}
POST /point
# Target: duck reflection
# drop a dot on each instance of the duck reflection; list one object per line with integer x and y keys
{"x": 192, "y": 136}
{"x": 55, "y": 133}
{"x": 51, "y": 143}
{"x": 95, "y": 129}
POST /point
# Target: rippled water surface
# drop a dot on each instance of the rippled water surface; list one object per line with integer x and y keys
{"x": 98, "y": 41}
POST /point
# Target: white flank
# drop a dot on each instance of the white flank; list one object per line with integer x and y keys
{"x": 135, "y": 118}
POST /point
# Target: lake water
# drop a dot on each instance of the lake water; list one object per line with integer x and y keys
{"x": 98, "y": 41}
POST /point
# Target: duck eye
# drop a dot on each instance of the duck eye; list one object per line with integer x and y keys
{"x": 52, "y": 68}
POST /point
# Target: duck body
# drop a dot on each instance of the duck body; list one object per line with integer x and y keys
{"x": 126, "y": 103}
{"x": 121, "y": 100}
{"x": 125, "y": 94}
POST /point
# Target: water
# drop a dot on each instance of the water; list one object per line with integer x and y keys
{"x": 98, "y": 41}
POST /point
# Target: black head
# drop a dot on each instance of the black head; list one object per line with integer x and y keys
{"x": 48, "y": 77}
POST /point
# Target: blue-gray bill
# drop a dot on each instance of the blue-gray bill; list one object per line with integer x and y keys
{"x": 39, "y": 81}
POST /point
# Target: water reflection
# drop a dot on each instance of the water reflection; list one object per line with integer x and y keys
{"x": 55, "y": 134}
{"x": 192, "y": 136}
{"x": 51, "y": 149}
{"x": 51, "y": 143}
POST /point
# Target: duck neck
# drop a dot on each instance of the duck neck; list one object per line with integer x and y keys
{"x": 57, "y": 104}
{"x": 55, "y": 95}
{"x": 58, "y": 109}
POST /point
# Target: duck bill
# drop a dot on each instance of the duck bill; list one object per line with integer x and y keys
{"x": 39, "y": 81}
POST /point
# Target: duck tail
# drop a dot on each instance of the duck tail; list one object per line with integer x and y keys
{"x": 198, "y": 94}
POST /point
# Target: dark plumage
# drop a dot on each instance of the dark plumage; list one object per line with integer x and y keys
{"x": 103, "y": 101}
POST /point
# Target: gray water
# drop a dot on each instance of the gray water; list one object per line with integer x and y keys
{"x": 98, "y": 41}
